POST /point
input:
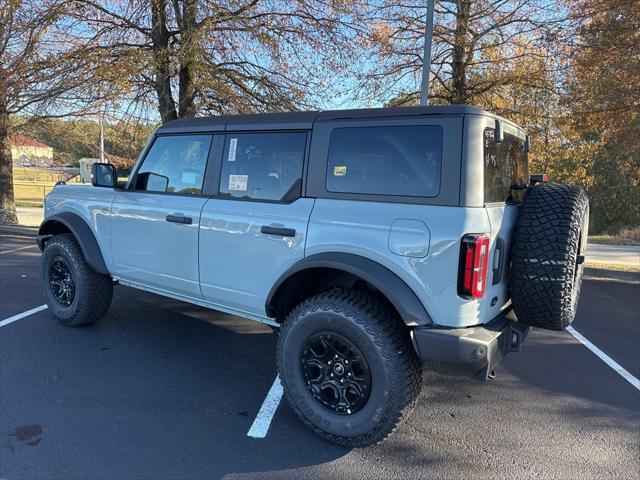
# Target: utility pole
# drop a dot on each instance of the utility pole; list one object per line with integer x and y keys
{"x": 101, "y": 122}
{"x": 426, "y": 56}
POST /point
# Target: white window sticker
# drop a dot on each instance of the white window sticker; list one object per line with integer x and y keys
{"x": 233, "y": 146}
{"x": 238, "y": 182}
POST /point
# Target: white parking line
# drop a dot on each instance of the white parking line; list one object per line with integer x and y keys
{"x": 16, "y": 249}
{"x": 261, "y": 424}
{"x": 22, "y": 315}
{"x": 605, "y": 358}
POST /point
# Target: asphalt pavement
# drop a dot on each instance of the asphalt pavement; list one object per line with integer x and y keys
{"x": 160, "y": 389}
{"x": 625, "y": 255}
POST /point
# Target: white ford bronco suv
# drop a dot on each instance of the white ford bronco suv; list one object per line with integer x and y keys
{"x": 374, "y": 241}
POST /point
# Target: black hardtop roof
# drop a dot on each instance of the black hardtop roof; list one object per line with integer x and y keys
{"x": 305, "y": 120}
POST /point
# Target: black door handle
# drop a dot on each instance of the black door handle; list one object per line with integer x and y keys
{"x": 179, "y": 219}
{"x": 283, "y": 232}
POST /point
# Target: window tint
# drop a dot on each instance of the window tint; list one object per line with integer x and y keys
{"x": 505, "y": 164}
{"x": 175, "y": 164}
{"x": 263, "y": 166}
{"x": 385, "y": 160}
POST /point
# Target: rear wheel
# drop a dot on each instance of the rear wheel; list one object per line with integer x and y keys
{"x": 76, "y": 294}
{"x": 548, "y": 255}
{"x": 348, "y": 367}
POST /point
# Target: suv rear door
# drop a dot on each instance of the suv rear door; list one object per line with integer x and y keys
{"x": 255, "y": 228}
{"x": 505, "y": 166}
{"x": 154, "y": 225}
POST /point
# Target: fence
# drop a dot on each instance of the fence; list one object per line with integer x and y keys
{"x": 31, "y": 184}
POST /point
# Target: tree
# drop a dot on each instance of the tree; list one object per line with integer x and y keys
{"x": 189, "y": 56}
{"x": 73, "y": 139}
{"x": 44, "y": 72}
{"x": 474, "y": 45}
{"x": 501, "y": 55}
{"x": 603, "y": 92}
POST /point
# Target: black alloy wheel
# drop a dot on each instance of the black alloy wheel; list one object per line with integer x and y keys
{"x": 336, "y": 373}
{"x": 61, "y": 281}
{"x": 75, "y": 293}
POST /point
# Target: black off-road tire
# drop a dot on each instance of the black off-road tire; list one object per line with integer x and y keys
{"x": 93, "y": 291}
{"x": 371, "y": 325}
{"x": 548, "y": 254}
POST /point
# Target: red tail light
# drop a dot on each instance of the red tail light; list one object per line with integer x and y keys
{"x": 474, "y": 257}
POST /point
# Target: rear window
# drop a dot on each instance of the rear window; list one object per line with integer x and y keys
{"x": 263, "y": 166}
{"x": 402, "y": 161}
{"x": 505, "y": 165}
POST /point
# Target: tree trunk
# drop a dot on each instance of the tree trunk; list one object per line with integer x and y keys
{"x": 7, "y": 201}
{"x": 186, "y": 99}
{"x": 162, "y": 61}
{"x": 459, "y": 67}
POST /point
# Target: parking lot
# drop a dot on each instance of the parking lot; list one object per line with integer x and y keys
{"x": 160, "y": 389}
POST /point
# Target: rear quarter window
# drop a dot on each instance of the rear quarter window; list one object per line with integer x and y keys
{"x": 505, "y": 165}
{"x": 399, "y": 161}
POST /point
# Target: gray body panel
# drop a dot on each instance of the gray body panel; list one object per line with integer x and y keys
{"x": 238, "y": 263}
{"x": 365, "y": 228}
{"x": 147, "y": 249}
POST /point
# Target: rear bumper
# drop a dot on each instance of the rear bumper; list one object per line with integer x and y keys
{"x": 472, "y": 351}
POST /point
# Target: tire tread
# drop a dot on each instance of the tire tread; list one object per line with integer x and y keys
{"x": 383, "y": 325}
{"x": 546, "y": 245}
{"x": 95, "y": 290}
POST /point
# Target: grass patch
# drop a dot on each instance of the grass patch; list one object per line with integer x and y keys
{"x": 626, "y": 236}
{"x": 28, "y": 203}
{"x": 613, "y": 240}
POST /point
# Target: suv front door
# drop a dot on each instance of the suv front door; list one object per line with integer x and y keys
{"x": 154, "y": 224}
{"x": 255, "y": 228}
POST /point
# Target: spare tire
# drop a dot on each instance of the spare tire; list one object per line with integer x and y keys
{"x": 548, "y": 254}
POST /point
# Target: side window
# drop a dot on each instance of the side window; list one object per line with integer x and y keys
{"x": 505, "y": 164}
{"x": 175, "y": 164}
{"x": 263, "y": 166}
{"x": 403, "y": 160}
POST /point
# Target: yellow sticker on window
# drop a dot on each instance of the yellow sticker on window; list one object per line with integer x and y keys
{"x": 340, "y": 171}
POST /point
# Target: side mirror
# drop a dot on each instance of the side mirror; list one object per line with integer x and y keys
{"x": 152, "y": 182}
{"x": 103, "y": 175}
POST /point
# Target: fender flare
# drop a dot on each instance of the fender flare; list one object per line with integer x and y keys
{"x": 396, "y": 290}
{"x": 81, "y": 231}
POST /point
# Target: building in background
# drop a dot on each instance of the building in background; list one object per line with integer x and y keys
{"x": 28, "y": 152}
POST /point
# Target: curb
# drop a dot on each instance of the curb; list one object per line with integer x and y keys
{"x": 594, "y": 273}
{"x": 21, "y": 231}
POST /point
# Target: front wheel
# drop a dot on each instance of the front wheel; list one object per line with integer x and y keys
{"x": 76, "y": 294}
{"x": 348, "y": 367}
